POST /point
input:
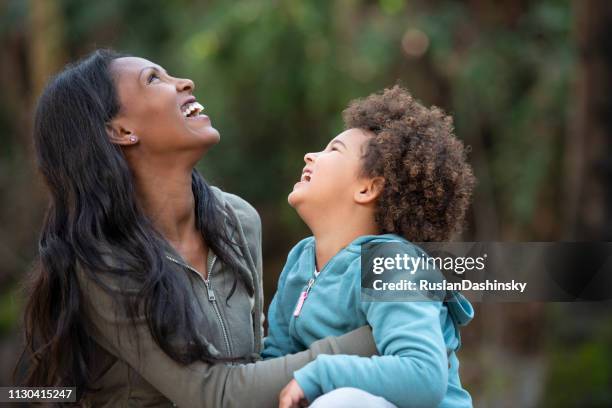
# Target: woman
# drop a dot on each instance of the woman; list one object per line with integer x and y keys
{"x": 149, "y": 286}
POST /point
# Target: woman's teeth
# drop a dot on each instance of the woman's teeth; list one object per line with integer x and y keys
{"x": 192, "y": 109}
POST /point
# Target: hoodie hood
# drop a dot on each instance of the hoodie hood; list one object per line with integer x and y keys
{"x": 460, "y": 309}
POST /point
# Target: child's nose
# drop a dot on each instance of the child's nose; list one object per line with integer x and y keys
{"x": 309, "y": 157}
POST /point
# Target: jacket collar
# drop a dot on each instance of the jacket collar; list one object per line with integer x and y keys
{"x": 233, "y": 229}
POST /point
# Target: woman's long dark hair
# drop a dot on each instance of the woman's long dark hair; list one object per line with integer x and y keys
{"x": 92, "y": 212}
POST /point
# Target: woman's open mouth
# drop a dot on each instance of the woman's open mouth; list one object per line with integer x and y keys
{"x": 192, "y": 110}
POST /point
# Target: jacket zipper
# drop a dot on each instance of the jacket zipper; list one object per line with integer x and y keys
{"x": 213, "y": 300}
{"x": 211, "y": 296}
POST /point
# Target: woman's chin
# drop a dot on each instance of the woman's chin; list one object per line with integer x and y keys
{"x": 213, "y": 137}
{"x": 208, "y": 136}
{"x": 202, "y": 126}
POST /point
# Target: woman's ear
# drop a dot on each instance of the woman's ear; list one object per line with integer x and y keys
{"x": 369, "y": 190}
{"x": 119, "y": 135}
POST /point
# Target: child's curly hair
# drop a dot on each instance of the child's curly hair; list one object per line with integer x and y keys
{"x": 428, "y": 182}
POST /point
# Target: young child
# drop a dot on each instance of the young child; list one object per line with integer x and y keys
{"x": 398, "y": 174}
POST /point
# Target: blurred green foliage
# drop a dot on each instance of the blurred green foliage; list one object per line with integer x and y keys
{"x": 276, "y": 75}
{"x": 10, "y": 307}
{"x": 581, "y": 376}
{"x": 580, "y": 372}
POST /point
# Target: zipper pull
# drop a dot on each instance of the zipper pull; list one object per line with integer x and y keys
{"x": 300, "y": 303}
{"x": 302, "y": 299}
{"x": 211, "y": 293}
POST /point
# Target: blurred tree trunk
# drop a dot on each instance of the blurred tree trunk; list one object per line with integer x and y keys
{"x": 588, "y": 204}
{"x": 46, "y": 52}
{"x": 33, "y": 52}
{"x": 589, "y": 147}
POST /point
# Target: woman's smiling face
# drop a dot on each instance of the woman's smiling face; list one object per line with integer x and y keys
{"x": 158, "y": 109}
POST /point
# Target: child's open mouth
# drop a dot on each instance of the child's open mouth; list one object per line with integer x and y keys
{"x": 306, "y": 176}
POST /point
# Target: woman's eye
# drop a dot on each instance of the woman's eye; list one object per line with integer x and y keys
{"x": 152, "y": 77}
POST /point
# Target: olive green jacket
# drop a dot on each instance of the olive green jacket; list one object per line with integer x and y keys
{"x": 130, "y": 370}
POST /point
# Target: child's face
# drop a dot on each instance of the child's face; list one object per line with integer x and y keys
{"x": 330, "y": 177}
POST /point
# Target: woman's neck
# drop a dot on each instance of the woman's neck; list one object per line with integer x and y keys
{"x": 166, "y": 197}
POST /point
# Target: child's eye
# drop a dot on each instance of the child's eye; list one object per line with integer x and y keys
{"x": 152, "y": 77}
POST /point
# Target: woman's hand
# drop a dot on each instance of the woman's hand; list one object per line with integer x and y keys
{"x": 292, "y": 396}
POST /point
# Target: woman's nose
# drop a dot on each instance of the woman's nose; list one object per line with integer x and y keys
{"x": 310, "y": 157}
{"x": 185, "y": 85}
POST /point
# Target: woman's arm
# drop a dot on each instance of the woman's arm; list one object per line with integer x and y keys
{"x": 201, "y": 384}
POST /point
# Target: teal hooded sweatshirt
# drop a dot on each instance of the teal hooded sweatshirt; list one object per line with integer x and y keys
{"x": 417, "y": 340}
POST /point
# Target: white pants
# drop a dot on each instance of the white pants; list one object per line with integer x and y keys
{"x": 350, "y": 398}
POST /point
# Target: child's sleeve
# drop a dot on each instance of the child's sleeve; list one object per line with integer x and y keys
{"x": 412, "y": 370}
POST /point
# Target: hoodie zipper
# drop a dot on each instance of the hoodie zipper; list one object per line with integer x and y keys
{"x": 304, "y": 295}
{"x": 211, "y": 295}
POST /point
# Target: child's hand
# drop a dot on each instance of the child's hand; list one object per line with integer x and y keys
{"x": 292, "y": 396}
